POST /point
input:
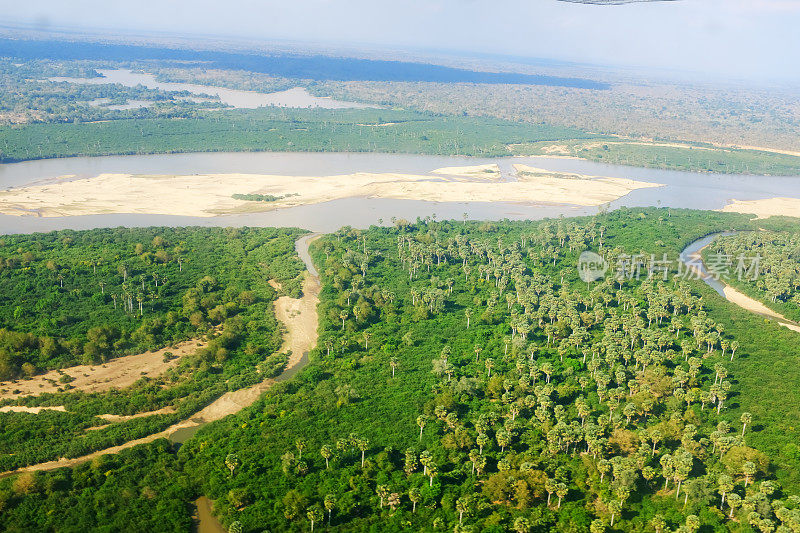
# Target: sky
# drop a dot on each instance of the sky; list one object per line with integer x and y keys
{"x": 743, "y": 39}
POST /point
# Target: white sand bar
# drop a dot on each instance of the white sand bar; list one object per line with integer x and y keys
{"x": 789, "y": 207}
{"x": 208, "y": 195}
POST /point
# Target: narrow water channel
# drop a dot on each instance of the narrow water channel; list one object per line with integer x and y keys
{"x": 692, "y": 258}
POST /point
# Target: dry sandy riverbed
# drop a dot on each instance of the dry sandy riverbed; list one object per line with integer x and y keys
{"x": 211, "y": 194}
{"x": 789, "y": 207}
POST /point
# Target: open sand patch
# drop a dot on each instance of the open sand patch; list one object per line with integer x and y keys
{"x": 115, "y": 374}
{"x": 745, "y": 302}
{"x": 491, "y": 171}
{"x": 121, "y": 418}
{"x": 32, "y": 410}
{"x": 211, "y": 194}
{"x": 789, "y": 207}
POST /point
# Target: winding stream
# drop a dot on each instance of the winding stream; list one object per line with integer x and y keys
{"x": 692, "y": 258}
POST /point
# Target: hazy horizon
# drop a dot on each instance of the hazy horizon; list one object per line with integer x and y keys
{"x": 737, "y": 39}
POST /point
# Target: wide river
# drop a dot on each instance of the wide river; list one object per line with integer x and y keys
{"x": 682, "y": 189}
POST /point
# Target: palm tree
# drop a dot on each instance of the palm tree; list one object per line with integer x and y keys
{"x": 314, "y": 514}
{"x": 421, "y": 421}
{"x": 330, "y": 503}
{"x": 343, "y": 314}
{"x": 749, "y": 470}
{"x": 614, "y": 507}
{"x": 503, "y": 439}
{"x": 415, "y": 495}
{"x": 393, "y": 363}
{"x": 232, "y": 462}
{"x": 383, "y": 493}
{"x": 561, "y": 492}
{"x": 734, "y": 500}
{"x": 746, "y": 419}
{"x": 734, "y": 347}
{"x": 327, "y": 453}
{"x": 724, "y": 486}
{"x": 362, "y": 443}
{"x": 462, "y": 506}
{"x": 550, "y": 487}
{"x": 433, "y": 471}
{"x": 481, "y": 441}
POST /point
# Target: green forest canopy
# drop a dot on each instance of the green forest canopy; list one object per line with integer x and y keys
{"x": 464, "y": 375}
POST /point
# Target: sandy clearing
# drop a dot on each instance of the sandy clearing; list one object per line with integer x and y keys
{"x": 121, "y": 418}
{"x": 491, "y": 171}
{"x": 33, "y": 410}
{"x": 300, "y": 318}
{"x": 597, "y": 144}
{"x": 779, "y": 206}
{"x": 211, "y": 194}
{"x": 761, "y": 149}
{"x": 117, "y": 373}
{"x": 529, "y": 173}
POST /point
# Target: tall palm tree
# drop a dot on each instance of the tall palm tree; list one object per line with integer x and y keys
{"x": 314, "y": 515}
{"x": 415, "y": 495}
{"x": 326, "y": 452}
{"x": 330, "y": 503}
{"x": 421, "y": 421}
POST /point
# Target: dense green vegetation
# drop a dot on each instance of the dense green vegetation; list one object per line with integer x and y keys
{"x": 466, "y": 379}
{"x": 766, "y": 382}
{"x": 85, "y": 297}
{"x": 630, "y": 371}
{"x": 697, "y": 157}
{"x": 139, "y": 490}
{"x": 265, "y": 129}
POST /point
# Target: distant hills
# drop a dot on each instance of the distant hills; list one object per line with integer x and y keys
{"x": 316, "y": 67}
